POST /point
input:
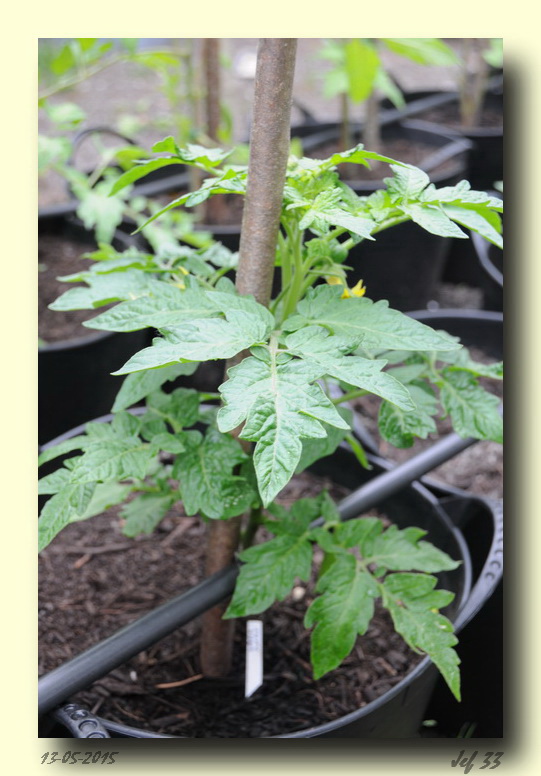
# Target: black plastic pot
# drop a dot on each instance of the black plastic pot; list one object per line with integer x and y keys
{"x": 396, "y": 714}
{"x": 74, "y": 380}
{"x": 490, "y": 259}
{"x": 485, "y": 157}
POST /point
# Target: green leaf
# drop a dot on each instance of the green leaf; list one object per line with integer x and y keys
{"x": 180, "y": 409}
{"x": 274, "y": 395}
{"x": 53, "y": 482}
{"x": 389, "y": 88}
{"x": 329, "y": 351}
{"x": 67, "y": 446}
{"x": 143, "y": 514}
{"x": 474, "y": 412}
{"x": 97, "y": 211}
{"x": 461, "y": 359}
{"x": 67, "y": 115}
{"x": 362, "y": 64}
{"x": 205, "y": 477}
{"x": 401, "y": 550}
{"x": 343, "y": 611}
{"x": 52, "y": 151}
{"x": 103, "y": 289}
{"x": 408, "y": 182}
{"x": 317, "y": 448}
{"x": 375, "y": 325}
{"x": 106, "y": 495}
{"x": 433, "y": 219}
{"x": 138, "y": 385}
{"x": 162, "y": 306}
{"x": 139, "y": 171}
{"x": 115, "y": 453}
{"x": 60, "y": 508}
{"x": 269, "y": 570}
{"x": 201, "y": 340}
{"x": 399, "y": 428}
{"x": 413, "y": 604}
{"x": 425, "y": 51}
{"x": 478, "y": 219}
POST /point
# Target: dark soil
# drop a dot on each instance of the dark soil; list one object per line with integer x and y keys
{"x": 449, "y": 115}
{"x": 93, "y": 580}
{"x": 58, "y": 256}
{"x": 478, "y": 469}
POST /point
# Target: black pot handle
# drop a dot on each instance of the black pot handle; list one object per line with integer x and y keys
{"x": 85, "y": 133}
{"x": 80, "y": 722}
{"x": 306, "y": 114}
{"x": 492, "y": 571}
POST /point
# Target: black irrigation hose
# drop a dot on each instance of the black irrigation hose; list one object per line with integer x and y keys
{"x": 81, "y": 671}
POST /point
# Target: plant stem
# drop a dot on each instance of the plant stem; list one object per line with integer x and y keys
{"x": 254, "y": 522}
{"x": 214, "y": 206}
{"x": 269, "y": 150}
{"x": 349, "y": 396}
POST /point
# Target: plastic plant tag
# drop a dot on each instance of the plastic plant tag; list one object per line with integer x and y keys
{"x": 254, "y": 657}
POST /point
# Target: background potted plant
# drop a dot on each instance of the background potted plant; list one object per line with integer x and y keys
{"x": 301, "y": 336}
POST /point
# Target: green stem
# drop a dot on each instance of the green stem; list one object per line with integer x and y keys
{"x": 358, "y": 451}
{"x": 209, "y": 396}
{"x": 349, "y": 396}
{"x": 254, "y": 521}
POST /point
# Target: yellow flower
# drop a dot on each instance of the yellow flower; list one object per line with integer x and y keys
{"x": 357, "y": 290}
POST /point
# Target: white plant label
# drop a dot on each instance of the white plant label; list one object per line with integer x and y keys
{"x": 254, "y": 657}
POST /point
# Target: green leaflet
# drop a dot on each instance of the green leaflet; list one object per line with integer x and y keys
{"x": 425, "y": 51}
{"x": 374, "y": 325}
{"x": 139, "y": 171}
{"x": 343, "y": 611}
{"x": 143, "y": 514}
{"x": 103, "y": 289}
{"x": 436, "y": 210}
{"x": 206, "y": 482}
{"x": 399, "y": 428}
{"x": 269, "y": 570}
{"x": 140, "y": 384}
{"x": 315, "y": 448}
{"x": 79, "y": 442}
{"x": 97, "y": 211}
{"x": 349, "y": 588}
{"x": 106, "y": 494}
{"x": 162, "y": 306}
{"x": 202, "y": 340}
{"x": 462, "y": 360}
{"x": 478, "y": 220}
{"x": 180, "y": 409}
{"x": 362, "y": 64}
{"x": 407, "y": 182}
{"x": 474, "y": 411}
{"x": 58, "y": 511}
{"x": 433, "y": 219}
{"x": 113, "y": 459}
{"x": 413, "y": 604}
{"x": 330, "y": 352}
{"x": 274, "y": 395}
{"x": 401, "y": 550}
